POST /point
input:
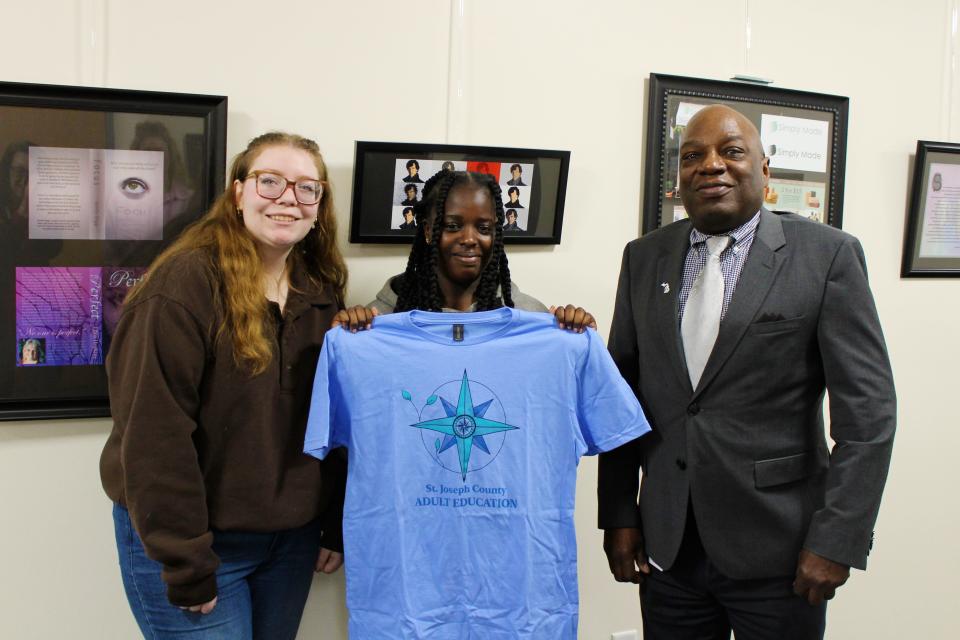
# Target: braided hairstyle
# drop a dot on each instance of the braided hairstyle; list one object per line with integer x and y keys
{"x": 419, "y": 287}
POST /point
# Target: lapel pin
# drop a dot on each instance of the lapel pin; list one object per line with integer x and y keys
{"x": 666, "y": 287}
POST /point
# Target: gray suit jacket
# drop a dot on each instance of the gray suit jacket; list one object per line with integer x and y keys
{"x": 747, "y": 446}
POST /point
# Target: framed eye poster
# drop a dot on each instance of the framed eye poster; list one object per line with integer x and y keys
{"x": 804, "y": 136}
{"x": 389, "y": 179}
{"x": 94, "y": 183}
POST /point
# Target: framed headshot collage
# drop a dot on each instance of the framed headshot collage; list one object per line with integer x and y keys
{"x": 389, "y": 179}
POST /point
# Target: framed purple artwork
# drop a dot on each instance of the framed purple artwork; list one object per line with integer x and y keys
{"x": 94, "y": 183}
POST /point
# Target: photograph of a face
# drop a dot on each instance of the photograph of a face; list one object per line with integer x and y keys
{"x": 390, "y": 179}
{"x": 412, "y": 173}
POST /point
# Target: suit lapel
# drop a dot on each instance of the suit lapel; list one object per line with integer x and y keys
{"x": 757, "y": 277}
{"x": 670, "y": 273}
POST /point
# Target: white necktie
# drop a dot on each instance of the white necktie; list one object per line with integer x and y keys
{"x": 701, "y": 316}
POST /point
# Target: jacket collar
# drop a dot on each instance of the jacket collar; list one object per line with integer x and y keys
{"x": 757, "y": 277}
{"x": 303, "y": 294}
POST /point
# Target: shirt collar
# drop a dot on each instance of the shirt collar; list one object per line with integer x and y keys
{"x": 304, "y": 294}
{"x": 739, "y": 234}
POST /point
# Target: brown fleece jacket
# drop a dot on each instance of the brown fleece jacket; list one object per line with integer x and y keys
{"x": 199, "y": 445}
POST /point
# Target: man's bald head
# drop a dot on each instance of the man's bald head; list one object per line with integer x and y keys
{"x": 716, "y": 111}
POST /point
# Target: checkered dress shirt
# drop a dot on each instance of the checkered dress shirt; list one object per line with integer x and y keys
{"x": 731, "y": 261}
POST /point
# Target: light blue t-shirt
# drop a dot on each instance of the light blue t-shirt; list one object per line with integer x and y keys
{"x": 464, "y": 431}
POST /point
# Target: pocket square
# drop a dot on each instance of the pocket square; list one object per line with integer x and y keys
{"x": 770, "y": 317}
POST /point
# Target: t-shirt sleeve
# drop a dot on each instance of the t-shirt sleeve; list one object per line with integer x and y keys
{"x": 607, "y": 410}
{"x": 327, "y": 421}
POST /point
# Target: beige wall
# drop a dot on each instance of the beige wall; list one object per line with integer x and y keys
{"x": 575, "y": 73}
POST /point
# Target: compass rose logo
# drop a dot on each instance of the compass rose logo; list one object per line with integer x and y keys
{"x": 466, "y": 425}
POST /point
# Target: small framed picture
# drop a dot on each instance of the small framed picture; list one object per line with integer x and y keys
{"x": 931, "y": 244}
{"x": 803, "y": 134}
{"x": 389, "y": 179}
{"x": 94, "y": 183}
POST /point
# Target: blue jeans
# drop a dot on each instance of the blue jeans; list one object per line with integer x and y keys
{"x": 262, "y": 585}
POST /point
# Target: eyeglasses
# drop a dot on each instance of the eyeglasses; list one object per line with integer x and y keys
{"x": 271, "y": 186}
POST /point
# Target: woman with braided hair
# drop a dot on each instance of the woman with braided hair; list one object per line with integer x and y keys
{"x": 458, "y": 261}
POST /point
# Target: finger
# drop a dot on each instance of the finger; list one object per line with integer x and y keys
{"x": 807, "y": 589}
{"x": 630, "y": 573}
{"x": 354, "y": 319}
{"x": 334, "y": 562}
{"x": 804, "y": 594}
{"x": 624, "y": 569}
{"x": 590, "y": 321}
{"x": 570, "y": 317}
{"x": 338, "y": 319}
{"x": 558, "y": 314}
{"x": 360, "y": 319}
{"x": 643, "y": 563}
{"x": 565, "y": 316}
{"x": 578, "y": 319}
{"x": 322, "y": 558}
{"x": 815, "y": 597}
{"x": 331, "y": 566}
{"x": 207, "y": 608}
{"x": 574, "y": 318}
{"x": 799, "y": 587}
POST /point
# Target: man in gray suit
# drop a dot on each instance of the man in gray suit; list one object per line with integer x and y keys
{"x": 744, "y": 519}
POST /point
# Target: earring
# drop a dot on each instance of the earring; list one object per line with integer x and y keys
{"x": 239, "y": 212}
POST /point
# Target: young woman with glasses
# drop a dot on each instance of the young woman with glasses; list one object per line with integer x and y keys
{"x": 220, "y": 518}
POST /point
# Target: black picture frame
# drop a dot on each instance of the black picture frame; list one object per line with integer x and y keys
{"x": 668, "y": 94}
{"x": 380, "y": 199}
{"x": 94, "y": 183}
{"x": 931, "y": 241}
